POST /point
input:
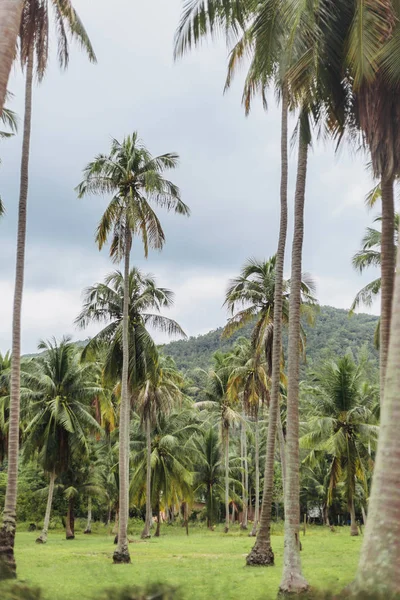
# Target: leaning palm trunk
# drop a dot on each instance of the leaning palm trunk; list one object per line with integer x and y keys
{"x": 388, "y": 263}
{"x": 121, "y": 554}
{"x": 262, "y": 553}
{"x": 226, "y": 444}
{"x": 245, "y": 477}
{"x": 10, "y": 20}
{"x": 378, "y": 570}
{"x": 7, "y": 532}
{"x": 292, "y": 578}
{"x": 88, "y": 528}
{"x": 147, "y": 525}
{"x": 256, "y": 520}
{"x": 353, "y": 522}
{"x": 282, "y": 450}
{"x": 42, "y": 539}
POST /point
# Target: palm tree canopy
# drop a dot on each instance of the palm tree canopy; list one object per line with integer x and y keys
{"x": 62, "y": 389}
{"x": 135, "y": 179}
{"x": 103, "y": 303}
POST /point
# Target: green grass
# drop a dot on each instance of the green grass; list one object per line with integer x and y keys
{"x": 204, "y": 565}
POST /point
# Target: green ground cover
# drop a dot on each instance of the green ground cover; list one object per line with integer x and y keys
{"x": 204, "y": 565}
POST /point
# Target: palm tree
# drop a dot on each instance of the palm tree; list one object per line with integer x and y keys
{"x": 62, "y": 389}
{"x": 34, "y": 35}
{"x": 208, "y": 474}
{"x": 341, "y": 424}
{"x": 10, "y": 19}
{"x": 161, "y": 391}
{"x": 383, "y": 527}
{"x": 171, "y": 462}
{"x": 135, "y": 178}
{"x": 223, "y": 407}
{"x": 370, "y": 256}
{"x": 248, "y": 382}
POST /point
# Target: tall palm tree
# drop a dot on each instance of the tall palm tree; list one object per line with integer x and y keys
{"x": 223, "y": 406}
{"x": 161, "y": 391}
{"x": 380, "y": 555}
{"x": 62, "y": 389}
{"x": 34, "y": 35}
{"x": 10, "y": 20}
{"x": 341, "y": 425}
{"x": 135, "y": 178}
{"x": 208, "y": 473}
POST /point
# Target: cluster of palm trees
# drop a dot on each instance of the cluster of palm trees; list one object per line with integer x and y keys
{"x": 335, "y": 66}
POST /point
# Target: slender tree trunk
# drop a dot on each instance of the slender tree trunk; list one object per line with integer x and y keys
{"x": 70, "y": 524}
{"x": 292, "y": 578}
{"x": 7, "y": 532}
{"x": 256, "y": 520}
{"x": 378, "y": 570}
{"x": 186, "y": 516}
{"x": 325, "y": 515}
{"x": 42, "y": 539}
{"x": 245, "y": 477}
{"x": 226, "y": 442}
{"x": 262, "y": 553}
{"x": 233, "y": 513}
{"x": 364, "y": 515}
{"x": 109, "y": 516}
{"x": 116, "y": 526}
{"x": 157, "y": 533}
{"x": 353, "y": 522}
{"x": 88, "y": 528}
{"x": 149, "y": 514}
{"x": 121, "y": 554}
{"x": 388, "y": 263}
{"x": 10, "y": 19}
{"x": 282, "y": 450}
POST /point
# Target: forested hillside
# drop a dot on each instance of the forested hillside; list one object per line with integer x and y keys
{"x": 333, "y": 333}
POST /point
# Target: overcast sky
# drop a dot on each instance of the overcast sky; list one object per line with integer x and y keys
{"x": 229, "y": 176}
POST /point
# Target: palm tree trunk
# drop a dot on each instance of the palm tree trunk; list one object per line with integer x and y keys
{"x": 10, "y": 19}
{"x": 245, "y": 477}
{"x": 7, "y": 532}
{"x": 388, "y": 263}
{"x": 70, "y": 524}
{"x": 262, "y": 553}
{"x": 146, "y": 530}
{"x": 292, "y": 578}
{"x": 364, "y": 515}
{"x": 157, "y": 533}
{"x": 88, "y": 528}
{"x": 257, "y": 460}
{"x": 353, "y": 522}
{"x": 116, "y": 526}
{"x": 121, "y": 554}
{"x": 378, "y": 570}
{"x": 282, "y": 449}
{"x": 226, "y": 443}
{"x": 42, "y": 539}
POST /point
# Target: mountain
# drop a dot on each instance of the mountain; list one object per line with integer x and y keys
{"x": 332, "y": 334}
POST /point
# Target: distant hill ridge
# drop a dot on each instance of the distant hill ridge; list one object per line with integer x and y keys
{"x": 333, "y": 333}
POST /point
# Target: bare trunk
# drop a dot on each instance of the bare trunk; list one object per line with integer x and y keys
{"x": 121, "y": 554}
{"x": 149, "y": 513}
{"x": 353, "y": 522}
{"x": 292, "y": 578}
{"x": 7, "y": 532}
{"x": 262, "y": 553}
{"x": 226, "y": 443}
{"x": 10, "y": 19}
{"x": 116, "y": 527}
{"x": 88, "y": 528}
{"x": 257, "y": 459}
{"x": 325, "y": 514}
{"x": 364, "y": 515}
{"x": 378, "y": 570}
{"x": 157, "y": 534}
{"x": 388, "y": 263}
{"x": 245, "y": 477}
{"x": 186, "y": 516}
{"x": 282, "y": 450}
{"x": 233, "y": 513}
{"x": 42, "y": 539}
{"x": 70, "y": 524}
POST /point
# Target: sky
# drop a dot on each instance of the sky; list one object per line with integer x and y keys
{"x": 228, "y": 175}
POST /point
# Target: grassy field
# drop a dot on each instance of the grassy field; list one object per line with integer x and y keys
{"x": 204, "y": 565}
